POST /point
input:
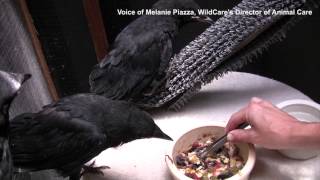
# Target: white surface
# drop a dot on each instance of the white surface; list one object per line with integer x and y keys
{"x": 144, "y": 159}
{"x": 303, "y": 110}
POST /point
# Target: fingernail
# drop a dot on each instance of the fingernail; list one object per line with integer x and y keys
{"x": 256, "y": 100}
{"x": 230, "y": 137}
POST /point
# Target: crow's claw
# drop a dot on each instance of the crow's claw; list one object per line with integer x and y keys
{"x": 92, "y": 169}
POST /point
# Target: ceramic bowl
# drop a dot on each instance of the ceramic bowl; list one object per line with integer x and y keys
{"x": 247, "y": 152}
{"x": 303, "y": 110}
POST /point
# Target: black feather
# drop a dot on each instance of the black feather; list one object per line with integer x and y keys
{"x": 67, "y": 134}
{"x": 140, "y": 55}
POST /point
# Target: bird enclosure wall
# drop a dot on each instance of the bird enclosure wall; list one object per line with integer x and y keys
{"x": 66, "y": 42}
{"x": 17, "y": 55}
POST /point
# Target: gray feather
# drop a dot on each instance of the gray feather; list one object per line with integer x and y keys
{"x": 230, "y": 43}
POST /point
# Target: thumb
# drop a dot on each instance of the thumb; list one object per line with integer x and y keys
{"x": 240, "y": 135}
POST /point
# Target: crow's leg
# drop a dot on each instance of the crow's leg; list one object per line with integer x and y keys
{"x": 93, "y": 170}
{"x": 75, "y": 176}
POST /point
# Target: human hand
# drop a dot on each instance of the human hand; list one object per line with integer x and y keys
{"x": 270, "y": 127}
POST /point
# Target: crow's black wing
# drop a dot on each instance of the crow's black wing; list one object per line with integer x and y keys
{"x": 135, "y": 59}
{"x": 54, "y": 139}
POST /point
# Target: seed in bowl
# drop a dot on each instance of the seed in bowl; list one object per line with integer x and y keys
{"x": 224, "y": 164}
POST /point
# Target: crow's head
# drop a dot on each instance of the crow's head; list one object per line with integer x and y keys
{"x": 141, "y": 125}
{"x": 183, "y": 5}
{"x": 137, "y": 125}
{"x": 10, "y": 84}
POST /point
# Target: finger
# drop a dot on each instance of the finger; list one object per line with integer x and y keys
{"x": 242, "y": 135}
{"x": 236, "y": 119}
{"x": 262, "y": 102}
{"x": 266, "y": 105}
{"x": 256, "y": 100}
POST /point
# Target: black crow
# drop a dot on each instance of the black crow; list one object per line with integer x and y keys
{"x": 10, "y": 84}
{"x": 139, "y": 58}
{"x": 67, "y": 134}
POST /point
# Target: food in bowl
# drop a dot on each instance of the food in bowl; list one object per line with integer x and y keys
{"x": 224, "y": 164}
{"x": 185, "y": 141}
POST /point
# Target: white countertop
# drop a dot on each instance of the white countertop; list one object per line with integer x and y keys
{"x": 214, "y": 104}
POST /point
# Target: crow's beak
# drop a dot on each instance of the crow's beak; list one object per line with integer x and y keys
{"x": 205, "y": 19}
{"x": 14, "y": 80}
{"x": 11, "y": 87}
{"x": 21, "y": 78}
{"x": 25, "y": 78}
{"x": 159, "y": 134}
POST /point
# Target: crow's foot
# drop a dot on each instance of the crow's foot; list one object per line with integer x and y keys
{"x": 92, "y": 169}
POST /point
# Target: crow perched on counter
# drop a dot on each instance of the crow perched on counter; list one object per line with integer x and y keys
{"x": 67, "y": 134}
{"x": 10, "y": 84}
{"x": 139, "y": 58}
